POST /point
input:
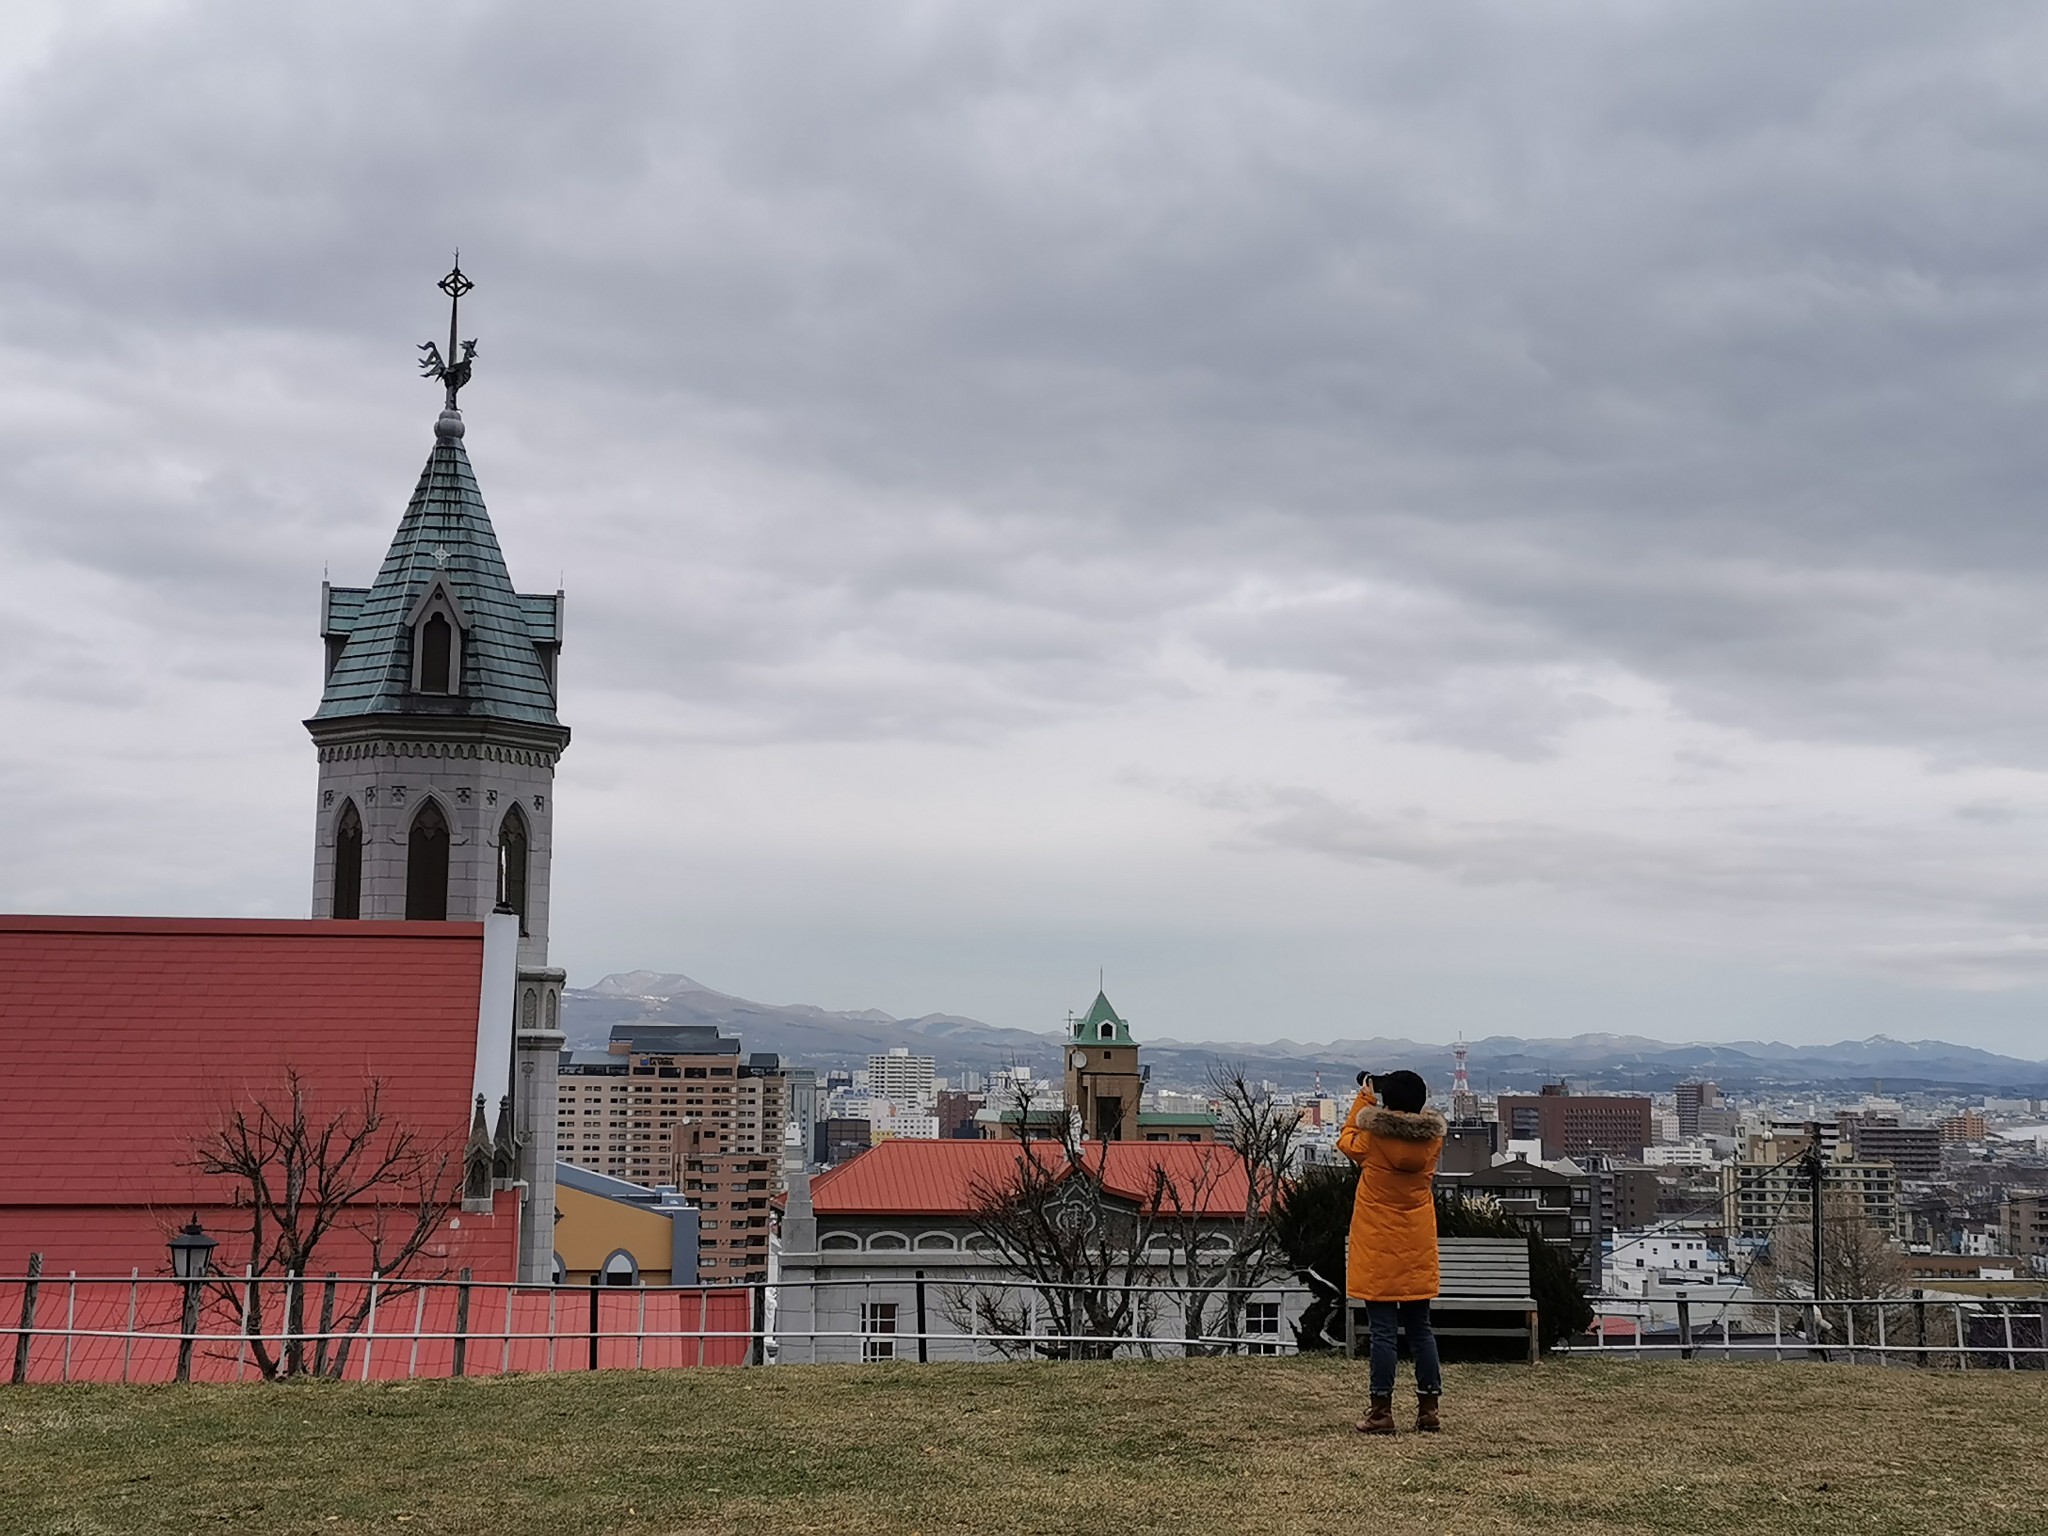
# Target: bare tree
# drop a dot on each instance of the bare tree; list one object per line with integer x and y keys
{"x": 304, "y": 1175}
{"x": 1076, "y": 1245}
{"x": 1219, "y": 1218}
{"x": 1858, "y": 1262}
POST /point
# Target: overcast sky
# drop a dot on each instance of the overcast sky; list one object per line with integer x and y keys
{"x": 1356, "y": 518}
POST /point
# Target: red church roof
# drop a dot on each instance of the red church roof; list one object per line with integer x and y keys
{"x": 126, "y": 1038}
{"x": 942, "y": 1178}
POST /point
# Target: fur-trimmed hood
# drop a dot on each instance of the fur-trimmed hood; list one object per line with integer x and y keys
{"x": 1393, "y": 1124}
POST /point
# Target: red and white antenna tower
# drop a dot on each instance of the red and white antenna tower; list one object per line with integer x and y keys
{"x": 1464, "y": 1102}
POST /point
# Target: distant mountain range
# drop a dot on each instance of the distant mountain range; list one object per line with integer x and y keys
{"x": 822, "y": 1038}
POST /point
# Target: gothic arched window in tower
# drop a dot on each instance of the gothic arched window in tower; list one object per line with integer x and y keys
{"x": 348, "y": 862}
{"x": 512, "y": 850}
{"x": 426, "y": 866}
{"x": 439, "y": 627}
{"x": 437, "y": 650}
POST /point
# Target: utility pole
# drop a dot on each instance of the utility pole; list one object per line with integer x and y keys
{"x": 1815, "y": 1171}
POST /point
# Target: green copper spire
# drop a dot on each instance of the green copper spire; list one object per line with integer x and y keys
{"x": 1101, "y": 1024}
{"x": 444, "y": 557}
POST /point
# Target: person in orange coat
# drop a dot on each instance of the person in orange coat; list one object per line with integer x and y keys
{"x": 1392, "y": 1264}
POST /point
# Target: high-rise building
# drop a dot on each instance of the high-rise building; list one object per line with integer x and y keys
{"x": 1758, "y": 1198}
{"x": 437, "y": 741}
{"x": 679, "y": 1106}
{"x": 1968, "y": 1128}
{"x": 906, "y": 1081}
{"x": 666, "y": 1091}
{"x": 1568, "y": 1124}
{"x": 1692, "y": 1098}
{"x": 1915, "y": 1150}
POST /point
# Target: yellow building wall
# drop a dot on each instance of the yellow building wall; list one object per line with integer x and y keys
{"x": 589, "y": 1229}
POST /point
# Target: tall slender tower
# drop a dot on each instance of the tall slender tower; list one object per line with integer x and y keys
{"x": 1464, "y": 1102}
{"x": 437, "y": 739}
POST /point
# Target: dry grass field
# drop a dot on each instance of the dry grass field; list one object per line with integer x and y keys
{"x": 1219, "y": 1445}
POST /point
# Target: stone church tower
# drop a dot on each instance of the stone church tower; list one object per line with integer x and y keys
{"x": 437, "y": 738}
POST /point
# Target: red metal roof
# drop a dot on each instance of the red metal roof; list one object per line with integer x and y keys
{"x": 125, "y": 1038}
{"x": 941, "y": 1178}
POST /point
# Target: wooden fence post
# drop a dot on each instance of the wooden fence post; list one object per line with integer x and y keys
{"x": 28, "y": 1317}
{"x": 922, "y": 1353}
{"x": 462, "y": 1322}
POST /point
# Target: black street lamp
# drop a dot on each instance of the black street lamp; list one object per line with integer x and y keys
{"x": 191, "y": 1253}
{"x": 191, "y": 1250}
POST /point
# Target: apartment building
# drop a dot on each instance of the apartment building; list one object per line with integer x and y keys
{"x": 731, "y": 1191}
{"x": 669, "y": 1104}
{"x": 906, "y": 1081}
{"x": 1757, "y": 1198}
{"x": 1915, "y": 1150}
{"x": 1691, "y": 1099}
{"x": 1966, "y": 1129}
{"x": 2023, "y": 1228}
{"x": 1559, "y": 1204}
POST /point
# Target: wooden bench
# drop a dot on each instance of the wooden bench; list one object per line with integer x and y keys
{"x": 1484, "y": 1294}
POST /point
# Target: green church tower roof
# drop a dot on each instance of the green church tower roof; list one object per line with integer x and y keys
{"x": 508, "y": 640}
{"x": 1102, "y": 1024}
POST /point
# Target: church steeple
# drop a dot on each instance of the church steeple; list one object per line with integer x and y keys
{"x": 444, "y": 562}
{"x": 437, "y": 737}
{"x": 437, "y": 728}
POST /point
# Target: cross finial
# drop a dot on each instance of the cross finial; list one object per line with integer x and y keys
{"x": 452, "y": 370}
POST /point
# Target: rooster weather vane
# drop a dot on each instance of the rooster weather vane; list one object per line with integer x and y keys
{"x": 450, "y": 370}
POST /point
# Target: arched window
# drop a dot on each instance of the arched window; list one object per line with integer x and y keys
{"x": 426, "y": 867}
{"x": 348, "y": 862}
{"x": 621, "y": 1268}
{"x": 437, "y": 649}
{"x": 1109, "y": 1031}
{"x": 512, "y": 845}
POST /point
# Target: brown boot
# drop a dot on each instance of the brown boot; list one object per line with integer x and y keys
{"x": 1427, "y": 1421}
{"x": 1380, "y": 1420}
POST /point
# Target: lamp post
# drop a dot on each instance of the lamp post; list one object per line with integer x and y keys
{"x": 191, "y": 1253}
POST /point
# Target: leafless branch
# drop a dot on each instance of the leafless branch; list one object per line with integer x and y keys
{"x": 304, "y": 1174}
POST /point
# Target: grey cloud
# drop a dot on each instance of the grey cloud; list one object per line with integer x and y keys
{"x": 1462, "y": 357}
{"x": 2002, "y": 964}
{"x": 1847, "y": 868}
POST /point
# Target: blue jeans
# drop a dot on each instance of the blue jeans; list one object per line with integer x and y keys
{"x": 1413, "y": 1317}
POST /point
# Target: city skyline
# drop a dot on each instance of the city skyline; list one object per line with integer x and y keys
{"x": 1358, "y": 531}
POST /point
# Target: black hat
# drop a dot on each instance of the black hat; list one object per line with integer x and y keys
{"x": 1402, "y": 1091}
